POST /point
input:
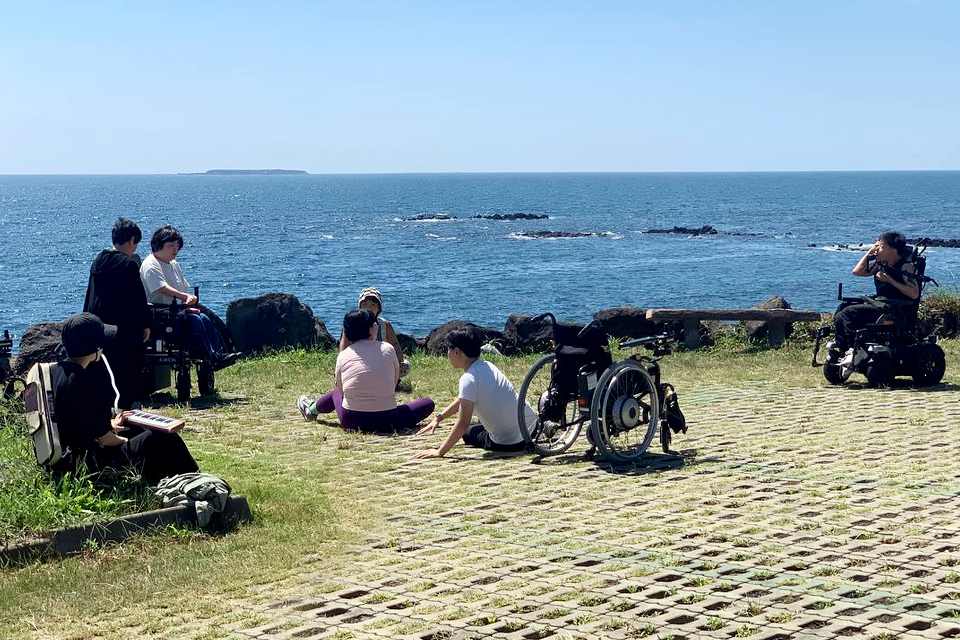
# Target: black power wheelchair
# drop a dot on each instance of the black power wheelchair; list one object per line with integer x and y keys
{"x": 624, "y": 402}
{"x": 172, "y": 353}
{"x": 894, "y": 346}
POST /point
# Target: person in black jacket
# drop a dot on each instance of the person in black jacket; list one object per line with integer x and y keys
{"x": 115, "y": 295}
{"x": 88, "y": 431}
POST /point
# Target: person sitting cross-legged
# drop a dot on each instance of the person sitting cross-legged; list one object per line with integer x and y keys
{"x": 366, "y": 375}
{"x": 484, "y": 391}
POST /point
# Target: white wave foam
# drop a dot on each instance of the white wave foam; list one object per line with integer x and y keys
{"x": 326, "y": 236}
{"x": 845, "y": 247}
{"x": 441, "y": 238}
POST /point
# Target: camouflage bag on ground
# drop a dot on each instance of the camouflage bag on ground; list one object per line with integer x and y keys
{"x": 206, "y": 492}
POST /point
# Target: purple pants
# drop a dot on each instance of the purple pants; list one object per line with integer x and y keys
{"x": 390, "y": 421}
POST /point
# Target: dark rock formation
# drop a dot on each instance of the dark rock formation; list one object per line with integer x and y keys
{"x": 705, "y": 230}
{"x": 409, "y": 344}
{"x": 936, "y": 242}
{"x": 555, "y": 234}
{"x": 274, "y": 321}
{"x": 526, "y": 335}
{"x": 757, "y": 329}
{"x": 625, "y": 322}
{"x": 437, "y": 340}
{"x": 40, "y": 343}
{"x": 430, "y": 216}
{"x": 511, "y": 216}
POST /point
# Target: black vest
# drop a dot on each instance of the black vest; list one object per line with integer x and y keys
{"x": 886, "y": 289}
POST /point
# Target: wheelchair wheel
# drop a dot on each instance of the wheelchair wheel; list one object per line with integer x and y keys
{"x": 554, "y": 424}
{"x": 929, "y": 365}
{"x": 880, "y": 372}
{"x": 835, "y": 374}
{"x": 183, "y": 384}
{"x": 625, "y": 412}
{"x": 206, "y": 381}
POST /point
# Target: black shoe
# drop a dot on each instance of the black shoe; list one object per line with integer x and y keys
{"x": 224, "y": 361}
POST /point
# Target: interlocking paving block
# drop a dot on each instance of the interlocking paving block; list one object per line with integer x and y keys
{"x": 797, "y": 513}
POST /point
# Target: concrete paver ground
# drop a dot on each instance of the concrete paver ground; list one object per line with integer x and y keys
{"x": 798, "y": 513}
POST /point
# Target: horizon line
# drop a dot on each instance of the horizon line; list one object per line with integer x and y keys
{"x": 440, "y": 173}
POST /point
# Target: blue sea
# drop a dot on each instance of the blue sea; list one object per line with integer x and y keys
{"x": 324, "y": 237}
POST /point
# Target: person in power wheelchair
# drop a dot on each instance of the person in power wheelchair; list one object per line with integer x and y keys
{"x": 173, "y": 307}
{"x": 877, "y": 335}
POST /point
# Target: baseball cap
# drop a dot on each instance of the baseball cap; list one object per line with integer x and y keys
{"x": 84, "y": 333}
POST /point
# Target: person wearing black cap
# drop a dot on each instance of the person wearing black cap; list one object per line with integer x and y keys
{"x": 116, "y": 296}
{"x": 88, "y": 432}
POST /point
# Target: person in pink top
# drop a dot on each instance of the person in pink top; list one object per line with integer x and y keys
{"x": 366, "y": 375}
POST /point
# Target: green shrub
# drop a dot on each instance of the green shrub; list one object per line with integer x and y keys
{"x": 940, "y": 312}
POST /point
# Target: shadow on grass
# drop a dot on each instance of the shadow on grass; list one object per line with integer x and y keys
{"x": 166, "y": 399}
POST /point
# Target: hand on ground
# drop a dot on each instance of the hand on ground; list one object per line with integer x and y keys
{"x": 429, "y": 453}
{"x": 428, "y": 429}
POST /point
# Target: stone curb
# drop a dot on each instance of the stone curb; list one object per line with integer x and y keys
{"x": 70, "y": 540}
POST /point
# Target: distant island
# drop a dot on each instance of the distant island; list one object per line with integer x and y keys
{"x": 248, "y": 172}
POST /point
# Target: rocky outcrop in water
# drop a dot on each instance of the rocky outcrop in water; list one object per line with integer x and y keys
{"x": 936, "y": 242}
{"x": 430, "y": 217}
{"x": 556, "y": 234}
{"x": 275, "y": 321}
{"x": 705, "y": 230}
{"x": 511, "y": 216}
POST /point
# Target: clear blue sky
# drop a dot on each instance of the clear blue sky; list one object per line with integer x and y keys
{"x": 356, "y": 87}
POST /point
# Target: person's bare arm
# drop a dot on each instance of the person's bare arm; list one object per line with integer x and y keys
{"x": 187, "y": 298}
{"x": 463, "y": 422}
{"x": 450, "y": 409}
{"x": 863, "y": 267}
{"x": 910, "y": 288}
{"x": 391, "y": 338}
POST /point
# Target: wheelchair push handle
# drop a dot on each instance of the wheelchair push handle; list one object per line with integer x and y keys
{"x": 635, "y": 342}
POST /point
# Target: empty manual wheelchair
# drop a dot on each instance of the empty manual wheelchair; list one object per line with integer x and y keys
{"x": 890, "y": 347}
{"x": 173, "y": 351}
{"x": 624, "y": 403}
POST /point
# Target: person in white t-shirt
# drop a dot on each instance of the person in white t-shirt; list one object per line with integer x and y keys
{"x": 164, "y": 283}
{"x": 485, "y": 392}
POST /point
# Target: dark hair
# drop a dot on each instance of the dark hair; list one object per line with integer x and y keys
{"x": 357, "y": 323}
{"x": 466, "y": 339}
{"x": 894, "y": 240}
{"x": 123, "y": 230}
{"x": 163, "y": 235}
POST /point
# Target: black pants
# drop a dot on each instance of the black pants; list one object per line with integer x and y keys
{"x": 154, "y": 454}
{"x": 477, "y": 436}
{"x": 851, "y": 318}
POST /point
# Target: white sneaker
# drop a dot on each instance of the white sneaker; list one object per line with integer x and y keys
{"x": 847, "y": 359}
{"x": 303, "y": 403}
{"x": 853, "y": 359}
